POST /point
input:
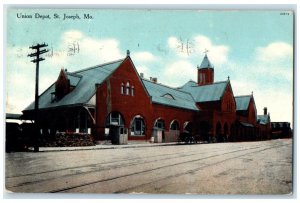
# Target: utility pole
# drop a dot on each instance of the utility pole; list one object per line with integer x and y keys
{"x": 36, "y": 100}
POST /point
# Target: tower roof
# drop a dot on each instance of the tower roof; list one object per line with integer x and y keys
{"x": 206, "y": 63}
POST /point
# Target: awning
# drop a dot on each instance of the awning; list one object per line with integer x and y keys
{"x": 13, "y": 116}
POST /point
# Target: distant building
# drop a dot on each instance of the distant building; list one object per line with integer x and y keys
{"x": 99, "y": 98}
{"x": 264, "y": 122}
{"x": 281, "y": 130}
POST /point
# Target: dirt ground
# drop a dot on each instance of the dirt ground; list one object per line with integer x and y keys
{"x": 223, "y": 168}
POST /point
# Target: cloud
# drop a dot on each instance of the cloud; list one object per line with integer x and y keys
{"x": 275, "y": 60}
{"x": 276, "y": 52}
{"x": 270, "y": 76}
{"x": 279, "y": 104}
{"x": 143, "y": 57}
{"x": 217, "y": 53}
{"x": 179, "y": 72}
{"x": 143, "y": 69}
{"x": 72, "y": 35}
{"x": 79, "y": 51}
{"x": 182, "y": 47}
{"x": 195, "y": 46}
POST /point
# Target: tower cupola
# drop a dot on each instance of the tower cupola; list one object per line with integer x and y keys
{"x": 205, "y": 72}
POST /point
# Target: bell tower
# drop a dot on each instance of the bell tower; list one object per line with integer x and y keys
{"x": 205, "y": 71}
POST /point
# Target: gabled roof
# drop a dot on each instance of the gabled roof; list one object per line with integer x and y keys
{"x": 206, "y": 63}
{"x": 74, "y": 78}
{"x": 205, "y": 93}
{"x": 187, "y": 86}
{"x": 84, "y": 80}
{"x": 263, "y": 119}
{"x": 242, "y": 102}
{"x": 165, "y": 95}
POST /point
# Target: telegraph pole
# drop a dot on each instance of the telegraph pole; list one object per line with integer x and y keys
{"x": 37, "y": 54}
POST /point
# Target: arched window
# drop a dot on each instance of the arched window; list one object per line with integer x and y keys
{"x": 159, "y": 124}
{"x": 127, "y": 88}
{"x": 132, "y": 91}
{"x": 200, "y": 75}
{"x": 174, "y": 125}
{"x": 187, "y": 126}
{"x": 138, "y": 126}
{"x": 122, "y": 88}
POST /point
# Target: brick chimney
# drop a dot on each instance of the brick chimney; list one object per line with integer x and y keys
{"x": 265, "y": 111}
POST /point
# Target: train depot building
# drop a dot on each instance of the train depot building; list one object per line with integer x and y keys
{"x": 114, "y": 97}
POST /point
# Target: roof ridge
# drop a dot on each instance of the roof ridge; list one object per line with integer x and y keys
{"x": 173, "y": 88}
{"x": 180, "y": 87}
{"x": 74, "y": 74}
{"x": 243, "y": 96}
{"x": 97, "y": 66}
{"x": 219, "y": 82}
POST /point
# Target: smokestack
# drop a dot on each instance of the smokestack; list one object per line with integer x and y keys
{"x": 265, "y": 111}
{"x": 154, "y": 80}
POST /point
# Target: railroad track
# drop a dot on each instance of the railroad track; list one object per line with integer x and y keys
{"x": 126, "y": 174}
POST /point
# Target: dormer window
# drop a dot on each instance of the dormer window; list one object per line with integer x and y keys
{"x": 62, "y": 86}
{"x": 168, "y": 96}
{"x": 53, "y": 97}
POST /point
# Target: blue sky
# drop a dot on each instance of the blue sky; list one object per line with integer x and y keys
{"x": 254, "y": 48}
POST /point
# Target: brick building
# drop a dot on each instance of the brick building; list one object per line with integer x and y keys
{"x": 281, "y": 130}
{"x": 95, "y": 99}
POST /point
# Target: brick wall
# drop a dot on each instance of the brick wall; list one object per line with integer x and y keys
{"x": 109, "y": 99}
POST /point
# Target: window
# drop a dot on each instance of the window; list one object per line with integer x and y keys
{"x": 115, "y": 119}
{"x": 138, "y": 126}
{"x": 160, "y": 124}
{"x": 174, "y": 125}
{"x": 168, "y": 96}
{"x": 132, "y": 91}
{"x": 229, "y": 105}
{"x": 122, "y": 88}
{"x": 127, "y": 88}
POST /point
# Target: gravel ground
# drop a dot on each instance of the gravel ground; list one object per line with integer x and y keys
{"x": 225, "y": 168}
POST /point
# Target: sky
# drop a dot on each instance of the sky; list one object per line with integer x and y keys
{"x": 253, "y": 48}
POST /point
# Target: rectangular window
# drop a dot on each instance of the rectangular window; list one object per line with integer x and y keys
{"x": 115, "y": 118}
{"x": 132, "y": 91}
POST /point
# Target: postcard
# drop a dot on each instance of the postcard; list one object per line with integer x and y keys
{"x": 149, "y": 101}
